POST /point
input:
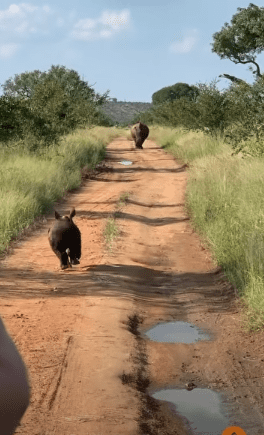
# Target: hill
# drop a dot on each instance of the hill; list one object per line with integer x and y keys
{"x": 121, "y": 112}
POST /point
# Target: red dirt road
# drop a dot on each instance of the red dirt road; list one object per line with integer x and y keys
{"x": 89, "y": 373}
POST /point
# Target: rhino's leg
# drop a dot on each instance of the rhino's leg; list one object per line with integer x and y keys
{"x": 75, "y": 249}
{"x": 63, "y": 257}
{"x": 139, "y": 143}
{"x": 75, "y": 261}
{"x": 56, "y": 252}
{"x": 68, "y": 257}
{"x": 64, "y": 260}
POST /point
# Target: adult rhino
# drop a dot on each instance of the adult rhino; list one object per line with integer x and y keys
{"x": 139, "y": 133}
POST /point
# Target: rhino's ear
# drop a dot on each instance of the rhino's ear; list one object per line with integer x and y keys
{"x": 72, "y": 212}
{"x": 57, "y": 215}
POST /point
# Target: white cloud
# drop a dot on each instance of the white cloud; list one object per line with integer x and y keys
{"x": 23, "y": 17}
{"x": 22, "y": 21}
{"x": 105, "y": 26}
{"x": 114, "y": 20}
{"x": 15, "y": 18}
{"x": 184, "y": 45}
{"x": 8, "y": 50}
{"x": 14, "y": 9}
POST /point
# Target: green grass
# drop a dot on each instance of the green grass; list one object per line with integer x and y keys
{"x": 112, "y": 230}
{"x": 123, "y": 200}
{"x": 187, "y": 146}
{"x": 31, "y": 183}
{"x": 225, "y": 198}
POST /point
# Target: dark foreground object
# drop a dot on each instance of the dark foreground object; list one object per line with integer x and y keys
{"x": 139, "y": 134}
{"x": 14, "y": 384}
{"x": 65, "y": 240}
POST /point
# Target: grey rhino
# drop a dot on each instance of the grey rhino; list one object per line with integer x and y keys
{"x": 65, "y": 240}
{"x": 139, "y": 133}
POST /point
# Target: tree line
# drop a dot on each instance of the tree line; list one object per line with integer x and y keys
{"x": 37, "y": 108}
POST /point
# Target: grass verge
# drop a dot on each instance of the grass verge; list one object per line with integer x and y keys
{"x": 225, "y": 200}
{"x": 31, "y": 183}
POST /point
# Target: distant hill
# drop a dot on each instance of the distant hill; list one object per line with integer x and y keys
{"x": 121, "y": 112}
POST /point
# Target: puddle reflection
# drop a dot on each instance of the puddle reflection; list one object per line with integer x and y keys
{"x": 201, "y": 407}
{"x": 176, "y": 332}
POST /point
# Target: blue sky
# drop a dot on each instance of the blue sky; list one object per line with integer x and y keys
{"x": 133, "y": 48}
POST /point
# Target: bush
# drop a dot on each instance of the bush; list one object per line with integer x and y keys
{"x": 175, "y": 92}
{"x": 246, "y": 110}
{"x": 207, "y": 112}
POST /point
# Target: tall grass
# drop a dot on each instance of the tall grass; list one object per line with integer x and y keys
{"x": 225, "y": 198}
{"x": 187, "y": 146}
{"x": 31, "y": 183}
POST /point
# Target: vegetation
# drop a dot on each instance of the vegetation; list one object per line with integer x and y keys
{"x": 32, "y": 182}
{"x": 188, "y": 146}
{"x": 207, "y": 112}
{"x": 236, "y": 114}
{"x": 174, "y": 92}
{"x": 121, "y": 113}
{"x": 24, "y": 85}
{"x": 37, "y": 108}
{"x": 111, "y": 230}
{"x": 226, "y": 202}
{"x": 245, "y": 132}
{"x": 243, "y": 39}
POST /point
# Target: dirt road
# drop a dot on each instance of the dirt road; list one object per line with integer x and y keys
{"x": 78, "y": 329}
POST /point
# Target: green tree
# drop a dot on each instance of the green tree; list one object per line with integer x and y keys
{"x": 213, "y": 109}
{"x": 53, "y": 105}
{"x": 12, "y": 113}
{"x": 23, "y": 85}
{"x": 58, "y": 112}
{"x": 246, "y": 110}
{"x": 37, "y": 108}
{"x": 174, "y": 92}
{"x": 242, "y": 39}
{"x": 19, "y": 122}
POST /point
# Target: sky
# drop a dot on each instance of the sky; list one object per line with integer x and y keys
{"x": 131, "y": 48}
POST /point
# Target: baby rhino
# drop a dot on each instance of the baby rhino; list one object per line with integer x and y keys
{"x": 65, "y": 240}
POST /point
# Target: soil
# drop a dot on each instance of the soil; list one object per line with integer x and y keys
{"x": 78, "y": 330}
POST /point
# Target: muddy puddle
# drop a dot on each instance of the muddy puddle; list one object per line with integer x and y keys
{"x": 176, "y": 332}
{"x": 203, "y": 408}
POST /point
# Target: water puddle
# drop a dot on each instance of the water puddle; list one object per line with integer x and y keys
{"x": 176, "y": 332}
{"x": 201, "y": 407}
{"x": 126, "y": 162}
